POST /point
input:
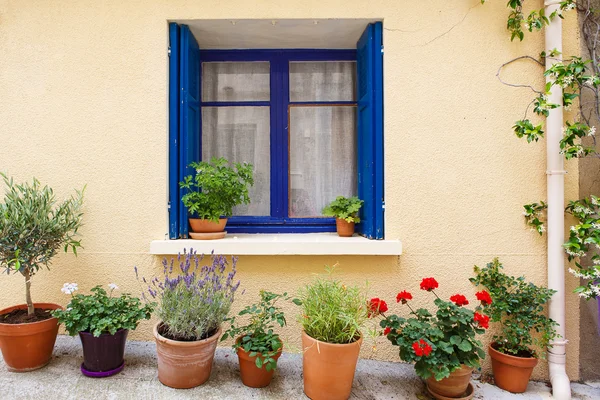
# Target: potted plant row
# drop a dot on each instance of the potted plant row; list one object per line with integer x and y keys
{"x": 102, "y": 322}
{"x": 212, "y": 192}
{"x": 193, "y": 302}
{"x": 525, "y": 331}
{"x": 345, "y": 210}
{"x": 33, "y": 227}
{"x": 443, "y": 345}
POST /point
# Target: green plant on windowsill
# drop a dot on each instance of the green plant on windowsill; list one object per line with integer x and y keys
{"x": 216, "y": 188}
{"x": 345, "y": 208}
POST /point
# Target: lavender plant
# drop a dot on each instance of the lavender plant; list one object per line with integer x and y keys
{"x": 193, "y": 300}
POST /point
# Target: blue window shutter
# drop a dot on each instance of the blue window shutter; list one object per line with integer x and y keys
{"x": 189, "y": 114}
{"x": 174, "y": 200}
{"x": 370, "y": 130}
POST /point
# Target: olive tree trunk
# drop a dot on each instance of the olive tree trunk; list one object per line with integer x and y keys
{"x": 27, "y": 274}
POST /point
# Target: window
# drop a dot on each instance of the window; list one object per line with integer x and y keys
{"x": 308, "y": 120}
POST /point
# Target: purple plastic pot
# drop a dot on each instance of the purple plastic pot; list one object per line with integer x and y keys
{"x": 103, "y": 353}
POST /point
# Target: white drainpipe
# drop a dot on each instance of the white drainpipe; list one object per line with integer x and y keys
{"x": 561, "y": 386}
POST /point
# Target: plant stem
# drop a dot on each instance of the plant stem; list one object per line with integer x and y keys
{"x": 30, "y": 309}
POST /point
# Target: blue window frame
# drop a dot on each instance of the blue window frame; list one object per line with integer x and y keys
{"x": 185, "y": 129}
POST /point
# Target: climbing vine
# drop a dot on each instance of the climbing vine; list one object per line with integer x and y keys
{"x": 577, "y": 77}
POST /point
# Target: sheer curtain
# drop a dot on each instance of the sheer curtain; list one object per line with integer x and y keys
{"x": 322, "y": 137}
{"x": 239, "y": 133}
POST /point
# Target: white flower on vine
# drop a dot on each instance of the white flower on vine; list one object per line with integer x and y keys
{"x": 570, "y": 6}
{"x": 112, "y": 286}
{"x": 592, "y": 131}
{"x": 541, "y": 228}
{"x": 567, "y": 80}
{"x": 573, "y": 229}
{"x": 589, "y": 79}
{"x": 595, "y": 200}
{"x": 69, "y": 288}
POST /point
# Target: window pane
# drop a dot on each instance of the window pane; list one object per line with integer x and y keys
{"x": 322, "y": 157}
{"x": 241, "y": 134}
{"x": 323, "y": 81}
{"x": 235, "y": 81}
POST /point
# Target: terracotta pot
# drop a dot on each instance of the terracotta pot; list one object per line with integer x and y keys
{"x": 183, "y": 365}
{"x": 328, "y": 368}
{"x": 344, "y": 228}
{"x": 105, "y": 352}
{"x": 511, "y": 373}
{"x": 453, "y": 386}
{"x": 251, "y": 375}
{"x": 207, "y": 226}
{"x": 28, "y": 346}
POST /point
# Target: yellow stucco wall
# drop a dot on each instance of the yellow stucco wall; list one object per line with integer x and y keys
{"x": 83, "y": 100}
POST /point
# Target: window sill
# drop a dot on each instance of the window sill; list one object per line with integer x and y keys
{"x": 282, "y": 244}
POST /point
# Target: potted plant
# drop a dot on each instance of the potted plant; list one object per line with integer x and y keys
{"x": 345, "y": 210}
{"x": 193, "y": 302}
{"x": 33, "y": 226}
{"x": 212, "y": 193}
{"x": 102, "y": 322}
{"x": 443, "y": 346}
{"x": 518, "y": 307}
{"x": 333, "y": 315}
{"x": 257, "y": 345}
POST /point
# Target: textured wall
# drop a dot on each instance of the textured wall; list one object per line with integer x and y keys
{"x": 83, "y": 100}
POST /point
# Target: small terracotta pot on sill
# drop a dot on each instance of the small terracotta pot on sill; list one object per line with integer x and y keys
{"x": 511, "y": 373}
{"x": 201, "y": 225}
{"x": 29, "y": 346}
{"x": 251, "y": 375}
{"x": 344, "y": 228}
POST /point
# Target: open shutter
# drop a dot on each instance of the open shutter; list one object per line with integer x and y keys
{"x": 189, "y": 116}
{"x": 174, "y": 201}
{"x": 370, "y": 130}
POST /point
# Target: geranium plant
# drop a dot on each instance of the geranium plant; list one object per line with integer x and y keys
{"x": 437, "y": 343}
{"x": 518, "y": 307}
{"x": 101, "y": 312}
{"x": 345, "y": 208}
{"x": 193, "y": 300}
{"x": 33, "y": 227}
{"x": 331, "y": 311}
{"x": 216, "y": 188}
{"x": 257, "y": 335}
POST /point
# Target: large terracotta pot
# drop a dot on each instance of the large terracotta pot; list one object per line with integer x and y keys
{"x": 328, "y": 368}
{"x": 207, "y": 226}
{"x": 28, "y": 346}
{"x": 453, "y": 386}
{"x": 511, "y": 373}
{"x": 251, "y": 375}
{"x": 104, "y": 353}
{"x": 344, "y": 228}
{"x": 184, "y": 365}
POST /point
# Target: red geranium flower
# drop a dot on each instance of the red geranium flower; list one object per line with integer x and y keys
{"x": 429, "y": 284}
{"x": 422, "y": 348}
{"x": 376, "y": 307}
{"x": 459, "y": 300}
{"x": 484, "y": 297}
{"x": 403, "y": 297}
{"x": 482, "y": 320}
{"x": 387, "y": 331}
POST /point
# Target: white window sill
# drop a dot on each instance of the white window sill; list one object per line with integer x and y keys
{"x": 282, "y": 244}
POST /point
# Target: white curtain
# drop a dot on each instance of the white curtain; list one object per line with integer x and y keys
{"x": 323, "y": 81}
{"x": 235, "y": 81}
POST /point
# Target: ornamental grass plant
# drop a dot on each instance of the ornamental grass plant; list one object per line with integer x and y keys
{"x": 331, "y": 311}
{"x": 438, "y": 342}
{"x": 193, "y": 300}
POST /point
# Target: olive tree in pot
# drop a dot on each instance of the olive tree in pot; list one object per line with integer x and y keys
{"x": 332, "y": 318}
{"x": 257, "y": 345}
{"x": 212, "y": 192}
{"x": 518, "y": 307}
{"x": 345, "y": 210}
{"x": 33, "y": 227}
{"x": 102, "y": 322}
{"x": 193, "y": 302}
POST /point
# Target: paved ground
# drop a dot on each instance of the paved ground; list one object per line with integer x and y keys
{"x": 61, "y": 379}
